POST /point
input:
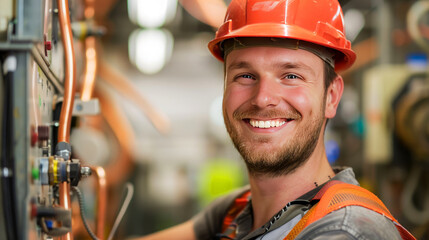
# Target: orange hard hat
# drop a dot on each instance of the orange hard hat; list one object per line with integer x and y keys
{"x": 317, "y": 21}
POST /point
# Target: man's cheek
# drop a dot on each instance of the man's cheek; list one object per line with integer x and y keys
{"x": 300, "y": 100}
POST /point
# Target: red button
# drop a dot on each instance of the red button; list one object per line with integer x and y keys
{"x": 34, "y": 137}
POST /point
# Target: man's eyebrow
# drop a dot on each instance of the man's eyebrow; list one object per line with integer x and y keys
{"x": 238, "y": 65}
{"x": 295, "y": 65}
{"x": 280, "y": 65}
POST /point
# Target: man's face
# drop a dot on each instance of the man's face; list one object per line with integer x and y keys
{"x": 274, "y": 106}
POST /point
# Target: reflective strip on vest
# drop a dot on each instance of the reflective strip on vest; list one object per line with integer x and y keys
{"x": 333, "y": 196}
{"x": 336, "y": 195}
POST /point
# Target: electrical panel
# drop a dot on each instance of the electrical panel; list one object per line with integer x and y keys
{"x": 37, "y": 172}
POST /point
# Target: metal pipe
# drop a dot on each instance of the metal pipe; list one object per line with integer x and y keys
{"x": 101, "y": 183}
{"x": 89, "y": 11}
{"x": 65, "y": 203}
{"x": 123, "y": 131}
{"x": 90, "y": 69}
{"x": 69, "y": 92}
{"x": 90, "y": 56}
{"x": 70, "y": 72}
{"x": 126, "y": 88}
{"x": 384, "y": 29}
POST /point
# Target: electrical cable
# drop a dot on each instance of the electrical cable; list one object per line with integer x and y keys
{"x": 125, "y": 204}
{"x": 417, "y": 215}
{"x": 7, "y": 154}
{"x": 124, "y": 207}
{"x": 2, "y": 94}
{"x": 82, "y": 212}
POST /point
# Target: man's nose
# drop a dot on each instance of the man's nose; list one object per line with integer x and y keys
{"x": 266, "y": 93}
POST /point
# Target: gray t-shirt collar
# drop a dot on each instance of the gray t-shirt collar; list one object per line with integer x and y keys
{"x": 244, "y": 220}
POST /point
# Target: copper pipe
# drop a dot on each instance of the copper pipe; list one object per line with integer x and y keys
{"x": 65, "y": 203}
{"x": 100, "y": 174}
{"x": 123, "y": 131}
{"x": 126, "y": 88}
{"x": 210, "y": 12}
{"x": 69, "y": 92}
{"x": 90, "y": 56}
{"x": 70, "y": 72}
{"x": 90, "y": 69}
{"x": 89, "y": 11}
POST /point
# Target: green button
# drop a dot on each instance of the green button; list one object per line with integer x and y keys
{"x": 35, "y": 173}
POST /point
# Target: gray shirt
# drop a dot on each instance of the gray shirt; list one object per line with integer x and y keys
{"x": 351, "y": 222}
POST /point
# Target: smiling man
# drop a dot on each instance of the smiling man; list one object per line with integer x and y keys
{"x": 274, "y": 107}
{"x": 281, "y": 87}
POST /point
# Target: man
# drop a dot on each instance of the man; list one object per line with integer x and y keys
{"x": 281, "y": 87}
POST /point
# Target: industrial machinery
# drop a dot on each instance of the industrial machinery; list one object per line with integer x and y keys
{"x": 37, "y": 89}
{"x": 396, "y": 106}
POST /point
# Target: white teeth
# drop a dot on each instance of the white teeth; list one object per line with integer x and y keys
{"x": 266, "y": 124}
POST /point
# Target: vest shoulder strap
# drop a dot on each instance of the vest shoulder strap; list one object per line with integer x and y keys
{"x": 236, "y": 208}
{"x": 336, "y": 195}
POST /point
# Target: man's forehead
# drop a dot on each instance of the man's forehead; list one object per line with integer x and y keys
{"x": 278, "y": 58}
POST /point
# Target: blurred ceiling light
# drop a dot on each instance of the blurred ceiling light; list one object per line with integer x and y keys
{"x": 151, "y": 13}
{"x": 217, "y": 126}
{"x": 216, "y": 115}
{"x": 150, "y": 49}
{"x": 355, "y": 21}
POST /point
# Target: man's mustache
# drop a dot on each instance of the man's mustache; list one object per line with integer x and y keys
{"x": 256, "y": 112}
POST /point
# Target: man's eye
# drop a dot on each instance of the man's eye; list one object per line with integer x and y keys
{"x": 292, "y": 76}
{"x": 246, "y": 76}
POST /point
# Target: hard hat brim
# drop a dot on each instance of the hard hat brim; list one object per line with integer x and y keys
{"x": 343, "y": 60}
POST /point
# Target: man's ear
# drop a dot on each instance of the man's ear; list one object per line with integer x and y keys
{"x": 333, "y": 96}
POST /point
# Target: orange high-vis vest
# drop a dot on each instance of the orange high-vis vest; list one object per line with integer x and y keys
{"x": 334, "y": 195}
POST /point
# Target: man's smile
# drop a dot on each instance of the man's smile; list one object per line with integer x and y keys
{"x": 271, "y": 123}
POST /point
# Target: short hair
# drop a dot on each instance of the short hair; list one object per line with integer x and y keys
{"x": 329, "y": 75}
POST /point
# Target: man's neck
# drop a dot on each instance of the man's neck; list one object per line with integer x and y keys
{"x": 270, "y": 194}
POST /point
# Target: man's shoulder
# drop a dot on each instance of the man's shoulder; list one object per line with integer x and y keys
{"x": 351, "y": 222}
{"x": 208, "y": 222}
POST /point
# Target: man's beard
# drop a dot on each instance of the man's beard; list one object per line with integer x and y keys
{"x": 282, "y": 161}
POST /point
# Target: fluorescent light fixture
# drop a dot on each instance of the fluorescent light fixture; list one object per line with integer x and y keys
{"x": 150, "y": 49}
{"x": 355, "y": 21}
{"x": 151, "y": 13}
